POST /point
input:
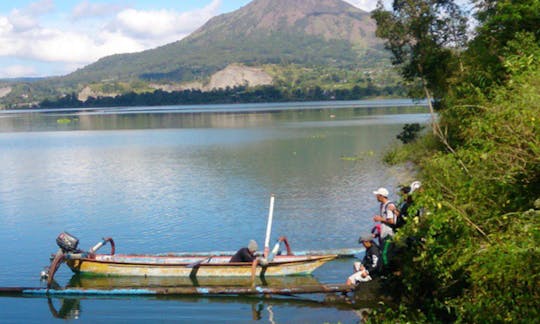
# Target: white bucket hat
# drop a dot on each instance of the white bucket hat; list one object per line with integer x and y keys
{"x": 415, "y": 186}
{"x": 381, "y": 191}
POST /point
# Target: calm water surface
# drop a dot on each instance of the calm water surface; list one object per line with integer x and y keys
{"x": 190, "y": 178}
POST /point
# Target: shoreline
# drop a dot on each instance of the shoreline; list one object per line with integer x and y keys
{"x": 234, "y": 108}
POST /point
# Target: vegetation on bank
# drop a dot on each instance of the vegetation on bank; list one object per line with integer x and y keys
{"x": 474, "y": 256}
{"x": 223, "y": 96}
{"x": 291, "y": 83}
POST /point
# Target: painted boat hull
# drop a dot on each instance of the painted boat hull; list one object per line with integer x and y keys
{"x": 109, "y": 282}
{"x": 173, "y": 266}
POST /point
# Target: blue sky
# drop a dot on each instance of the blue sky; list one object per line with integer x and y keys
{"x": 55, "y": 37}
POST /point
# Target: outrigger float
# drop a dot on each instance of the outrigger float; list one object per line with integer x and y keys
{"x": 176, "y": 291}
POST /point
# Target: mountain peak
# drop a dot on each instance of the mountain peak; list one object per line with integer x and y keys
{"x": 331, "y": 19}
{"x": 304, "y": 32}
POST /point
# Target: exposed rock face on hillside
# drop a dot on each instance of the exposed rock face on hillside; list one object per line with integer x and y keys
{"x": 4, "y": 91}
{"x": 238, "y": 75}
{"x": 232, "y": 76}
{"x": 87, "y": 92}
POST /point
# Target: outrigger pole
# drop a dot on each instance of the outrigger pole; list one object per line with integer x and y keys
{"x": 179, "y": 291}
{"x": 266, "y": 241}
{"x": 269, "y": 227}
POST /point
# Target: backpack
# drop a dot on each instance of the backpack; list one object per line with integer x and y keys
{"x": 403, "y": 212}
{"x": 399, "y": 220}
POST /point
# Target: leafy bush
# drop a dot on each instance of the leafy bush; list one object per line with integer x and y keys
{"x": 409, "y": 133}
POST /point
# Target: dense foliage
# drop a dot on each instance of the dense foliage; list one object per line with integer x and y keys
{"x": 474, "y": 255}
{"x": 421, "y": 36}
{"x": 293, "y": 82}
{"x": 222, "y": 96}
{"x": 409, "y": 133}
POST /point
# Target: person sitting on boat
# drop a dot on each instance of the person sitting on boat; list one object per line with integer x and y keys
{"x": 246, "y": 254}
{"x": 371, "y": 263}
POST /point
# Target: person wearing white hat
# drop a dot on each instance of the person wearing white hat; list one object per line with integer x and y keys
{"x": 415, "y": 186}
{"x": 388, "y": 213}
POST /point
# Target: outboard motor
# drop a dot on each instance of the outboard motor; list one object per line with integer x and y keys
{"x": 68, "y": 251}
{"x": 67, "y": 242}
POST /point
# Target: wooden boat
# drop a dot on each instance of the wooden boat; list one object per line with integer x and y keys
{"x": 188, "y": 266}
{"x": 177, "y": 265}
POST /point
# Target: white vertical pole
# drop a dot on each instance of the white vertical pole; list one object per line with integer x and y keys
{"x": 269, "y": 227}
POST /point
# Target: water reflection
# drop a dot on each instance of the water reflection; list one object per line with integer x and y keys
{"x": 274, "y": 309}
{"x": 271, "y": 308}
{"x": 204, "y": 117}
{"x": 70, "y": 308}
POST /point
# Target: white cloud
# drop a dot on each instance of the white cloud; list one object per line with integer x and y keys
{"x": 145, "y": 24}
{"x": 366, "y": 5}
{"x": 165, "y": 24}
{"x": 21, "y": 21}
{"x": 16, "y": 71}
{"x": 5, "y": 27}
{"x": 28, "y": 18}
{"x": 24, "y": 35}
{"x": 87, "y": 9}
{"x": 40, "y": 7}
{"x": 71, "y": 47}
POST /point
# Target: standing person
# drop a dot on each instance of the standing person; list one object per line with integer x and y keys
{"x": 406, "y": 202}
{"x": 406, "y": 193}
{"x": 388, "y": 218}
{"x": 388, "y": 213}
{"x": 246, "y": 254}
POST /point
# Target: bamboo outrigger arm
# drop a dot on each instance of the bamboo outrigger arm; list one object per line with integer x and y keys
{"x": 191, "y": 290}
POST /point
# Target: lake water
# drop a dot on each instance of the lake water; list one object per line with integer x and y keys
{"x": 191, "y": 178}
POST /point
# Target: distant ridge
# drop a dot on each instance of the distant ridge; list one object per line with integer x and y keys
{"x": 305, "y": 32}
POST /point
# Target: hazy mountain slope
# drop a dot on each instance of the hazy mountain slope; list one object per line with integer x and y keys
{"x": 306, "y": 32}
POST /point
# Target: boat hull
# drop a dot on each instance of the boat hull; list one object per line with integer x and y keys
{"x": 165, "y": 266}
{"x": 107, "y": 282}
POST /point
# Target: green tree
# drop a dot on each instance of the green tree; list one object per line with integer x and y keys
{"x": 473, "y": 257}
{"x": 423, "y": 36}
{"x": 500, "y": 22}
